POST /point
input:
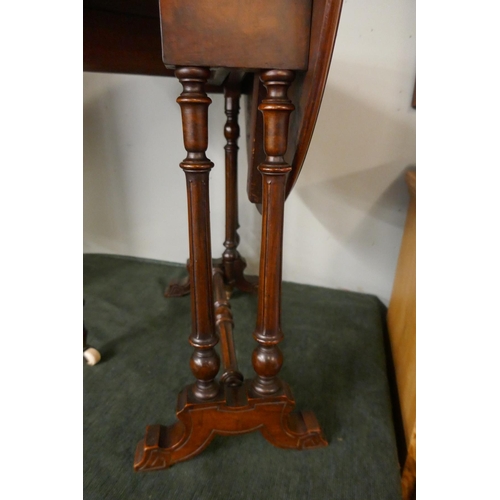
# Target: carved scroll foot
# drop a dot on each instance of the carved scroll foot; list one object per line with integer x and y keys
{"x": 179, "y": 288}
{"x": 300, "y": 430}
{"x": 235, "y": 410}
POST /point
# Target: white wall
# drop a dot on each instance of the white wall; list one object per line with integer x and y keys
{"x": 345, "y": 217}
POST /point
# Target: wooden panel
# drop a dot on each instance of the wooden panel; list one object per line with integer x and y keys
{"x": 128, "y": 42}
{"x": 265, "y": 34}
{"x": 409, "y": 475}
{"x": 401, "y": 317}
{"x": 401, "y": 322}
{"x": 122, "y": 43}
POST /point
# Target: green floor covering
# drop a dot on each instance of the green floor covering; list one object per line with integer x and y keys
{"x": 334, "y": 363}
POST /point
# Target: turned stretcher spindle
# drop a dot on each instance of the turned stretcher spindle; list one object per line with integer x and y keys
{"x": 224, "y": 324}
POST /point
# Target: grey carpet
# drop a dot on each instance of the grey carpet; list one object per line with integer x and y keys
{"x": 334, "y": 363}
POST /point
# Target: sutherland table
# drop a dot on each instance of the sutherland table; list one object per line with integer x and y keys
{"x": 277, "y": 53}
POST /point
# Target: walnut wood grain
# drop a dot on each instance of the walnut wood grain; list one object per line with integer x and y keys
{"x": 210, "y": 42}
{"x": 234, "y": 411}
{"x": 194, "y": 104}
{"x": 205, "y": 409}
{"x": 225, "y": 324}
{"x": 276, "y": 108}
{"x": 124, "y": 36}
{"x": 236, "y": 33}
{"x": 232, "y": 262}
{"x": 115, "y": 42}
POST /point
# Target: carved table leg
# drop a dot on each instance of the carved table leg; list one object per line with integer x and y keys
{"x": 232, "y": 262}
{"x": 267, "y": 358}
{"x": 205, "y": 409}
{"x": 194, "y": 104}
{"x": 276, "y": 108}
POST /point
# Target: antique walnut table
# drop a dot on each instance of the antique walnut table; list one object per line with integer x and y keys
{"x": 277, "y": 53}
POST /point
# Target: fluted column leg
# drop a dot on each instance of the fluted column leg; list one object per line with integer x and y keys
{"x": 267, "y": 358}
{"x": 194, "y": 104}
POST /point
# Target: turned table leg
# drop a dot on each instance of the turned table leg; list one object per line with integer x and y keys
{"x": 267, "y": 358}
{"x": 232, "y": 262}
{"x": 194, "y": 104}
{"x": 206, "y": 409}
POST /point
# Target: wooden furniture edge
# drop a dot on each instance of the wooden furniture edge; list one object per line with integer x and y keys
{"x": 401, "y": 323}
